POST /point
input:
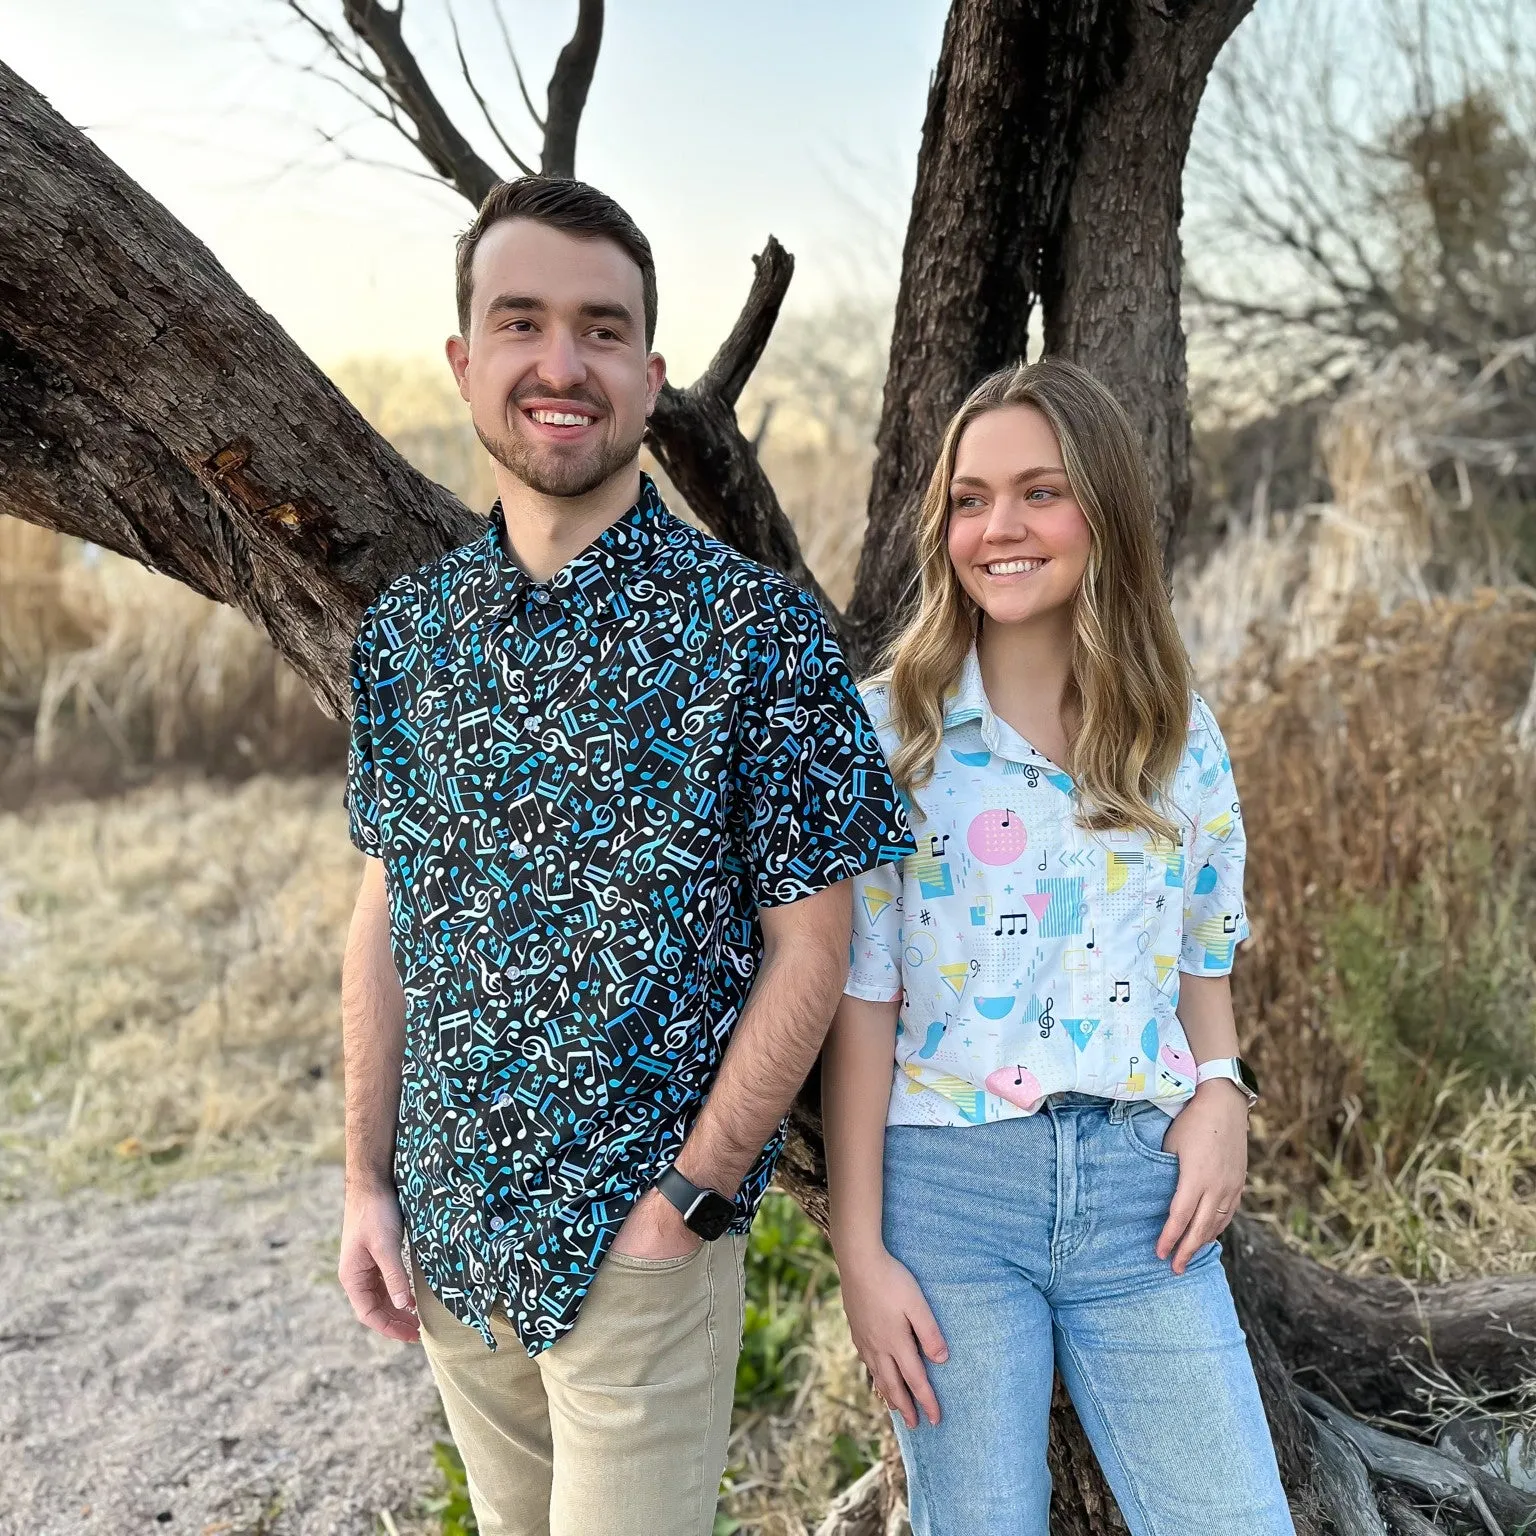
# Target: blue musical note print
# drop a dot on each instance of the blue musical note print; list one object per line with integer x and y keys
{"x": 582, "y": 791}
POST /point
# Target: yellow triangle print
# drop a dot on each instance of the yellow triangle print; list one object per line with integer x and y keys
{"x": 875, "y": 901}
{"x": 1165, "y": 965}
{"x": 955, "y": 973}
{"x": 1220, "y": 826}
{"x": 966, "y": 1097}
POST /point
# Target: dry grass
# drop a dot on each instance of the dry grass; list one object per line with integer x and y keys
{"x": 109, "y": 673}
{"x": 169, "y": 970}
{"x": 786, "y": 1467}
{"x": 1390, "y": 878}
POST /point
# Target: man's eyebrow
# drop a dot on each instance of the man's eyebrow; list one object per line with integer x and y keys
{"x": 607, "y": 310}
{"x": 505, "y": 301}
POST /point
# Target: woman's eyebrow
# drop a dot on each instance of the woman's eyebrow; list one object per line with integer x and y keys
{"x": 1032, "y": 473}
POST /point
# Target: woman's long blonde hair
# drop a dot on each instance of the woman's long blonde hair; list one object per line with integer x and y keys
{"x": 1130, "y": 675}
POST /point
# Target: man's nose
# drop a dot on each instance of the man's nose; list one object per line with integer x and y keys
{"x": 560, "y": 365}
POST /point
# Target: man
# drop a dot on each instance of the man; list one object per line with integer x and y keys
{"x": 614, "y": 779}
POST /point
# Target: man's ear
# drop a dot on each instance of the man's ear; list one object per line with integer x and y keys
{"x": 458, "y": 359}
{"x": 655, "y": 377}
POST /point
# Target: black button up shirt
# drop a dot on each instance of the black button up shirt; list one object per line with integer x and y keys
{"x": 582, "y": 791}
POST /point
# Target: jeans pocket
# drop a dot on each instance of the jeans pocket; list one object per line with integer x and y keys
{"x": 1145, "y": 1127}
{"x": 653, "y": 1266}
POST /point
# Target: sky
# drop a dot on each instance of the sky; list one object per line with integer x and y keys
{"x": 714, "y": 122}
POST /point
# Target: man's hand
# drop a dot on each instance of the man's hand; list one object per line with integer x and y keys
{"x": 654, "y": 1229}
{"x": 1210, "y": 1138}
{"x": 370, "y": 1270}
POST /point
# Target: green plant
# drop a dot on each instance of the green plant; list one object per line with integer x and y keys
{"x": 451, "y": 1505}
{"x": 789, "y": 1274}
{"x": 1423, "y": 999}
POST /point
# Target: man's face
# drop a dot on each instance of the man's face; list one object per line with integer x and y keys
{"x": 555, "y": 366}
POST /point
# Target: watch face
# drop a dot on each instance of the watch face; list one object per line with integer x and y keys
{"x": 712, "y": 1217}
{"x": 1245, "y": 1073}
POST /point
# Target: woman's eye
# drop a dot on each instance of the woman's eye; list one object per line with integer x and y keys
{"x": 1040, "y": 490}
{"x": 965, "y": 503}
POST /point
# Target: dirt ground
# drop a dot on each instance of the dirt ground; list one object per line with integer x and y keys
{"x": 187, "y": 1363}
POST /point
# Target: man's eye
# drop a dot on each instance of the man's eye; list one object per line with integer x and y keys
{"x": 604, "y": 335}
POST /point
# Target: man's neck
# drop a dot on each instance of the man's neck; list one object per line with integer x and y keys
{"x": 547, "y": 532}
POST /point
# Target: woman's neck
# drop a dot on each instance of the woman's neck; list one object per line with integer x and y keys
{"x": 1026, "y": 669}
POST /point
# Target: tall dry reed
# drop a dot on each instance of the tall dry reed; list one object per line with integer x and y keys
{"x": 1391, "y": 877}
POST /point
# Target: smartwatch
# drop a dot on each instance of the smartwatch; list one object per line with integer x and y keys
{"x": 1235, "y": 1070}
{"x": 704, "y": 1211}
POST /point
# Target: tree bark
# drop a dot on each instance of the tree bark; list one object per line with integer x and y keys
{"x": 1112, "y": 275}
{"x": 147, "y": 390}
{"x": 1374, "y": 1343}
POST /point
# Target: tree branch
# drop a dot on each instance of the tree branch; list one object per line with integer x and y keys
{"x": 568, "y": 87}
{"x": 696, "y": 437}
{"x": 474, "y": 90}
{"x": 446, "y": 150}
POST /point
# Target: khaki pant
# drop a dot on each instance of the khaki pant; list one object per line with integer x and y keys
{"x": 620, "y": 1428}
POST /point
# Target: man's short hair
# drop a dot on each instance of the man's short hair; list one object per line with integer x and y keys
{"x": 562, "y": 203}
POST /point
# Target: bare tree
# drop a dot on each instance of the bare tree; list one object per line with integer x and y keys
{"x": 148, "y": 404}
{"x": 1368, "y": 180}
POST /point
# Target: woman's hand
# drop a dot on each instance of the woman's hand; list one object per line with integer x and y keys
{"x": 893, "y": 1328}
{"x": 1210, "y": 1138}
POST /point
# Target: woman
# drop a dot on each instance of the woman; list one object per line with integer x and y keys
{"x": 1040, "y": 1180}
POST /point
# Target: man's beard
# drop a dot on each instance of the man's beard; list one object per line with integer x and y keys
{"x": 558, "y": 474}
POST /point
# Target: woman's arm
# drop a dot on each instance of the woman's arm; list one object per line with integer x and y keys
{"x": 892, "y": 1325}
{"x": 1210, "y": 1135}
{"x": 856, "y": 1065}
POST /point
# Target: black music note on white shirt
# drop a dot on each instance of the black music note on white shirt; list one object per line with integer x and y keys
{"x": 1013, "y": 919}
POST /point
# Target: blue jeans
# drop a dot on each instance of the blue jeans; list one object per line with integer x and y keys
{"x": 1034, "y": 1242}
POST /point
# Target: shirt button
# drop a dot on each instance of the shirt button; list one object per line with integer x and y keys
{"x": 519, "y": 850}
{"x": 533, "y": 722}
{"x": 538, "y": 594}
{"x": 514, "y": 972}
{"x": 502, "y": 1100}
{"x": 497, "y": 1223}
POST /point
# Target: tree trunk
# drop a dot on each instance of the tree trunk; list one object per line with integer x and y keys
{"x": 1098, "y": 99}
{"x": 1112, "y": 274}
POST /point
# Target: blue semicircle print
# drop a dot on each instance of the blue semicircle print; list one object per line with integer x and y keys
{"x": 971, "y": 759}
{"x": 993, "y": 1007}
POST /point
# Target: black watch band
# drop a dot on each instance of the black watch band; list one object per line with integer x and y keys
{"x": 704, "y": 1211}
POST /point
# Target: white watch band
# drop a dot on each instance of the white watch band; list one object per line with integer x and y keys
{"x": 1224, "y": 1067}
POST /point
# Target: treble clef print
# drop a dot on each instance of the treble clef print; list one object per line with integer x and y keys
{"x": 1047, "y": 1019}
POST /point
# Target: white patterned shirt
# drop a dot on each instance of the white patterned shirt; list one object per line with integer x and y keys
{"x": 1032, "y": 957}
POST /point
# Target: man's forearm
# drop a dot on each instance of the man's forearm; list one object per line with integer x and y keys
{"x": 373, "y": 1038}
{"x": 769, "y": 1056}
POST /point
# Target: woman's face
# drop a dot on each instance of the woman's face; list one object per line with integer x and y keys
{"x": 1017, "y": 537}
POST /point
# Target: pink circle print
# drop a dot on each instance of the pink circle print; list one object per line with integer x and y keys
{"x": 997, "y": 837}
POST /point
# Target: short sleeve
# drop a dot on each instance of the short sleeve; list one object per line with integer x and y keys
{"x": 821, "y": 801}
{"x": 362, "y": 796}
{"x": 874, "y": 955}
{"x": 1215, "y": 919}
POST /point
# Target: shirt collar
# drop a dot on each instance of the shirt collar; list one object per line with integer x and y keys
{"x": 969, "y": 699}
{"x": 599, "y": 574}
